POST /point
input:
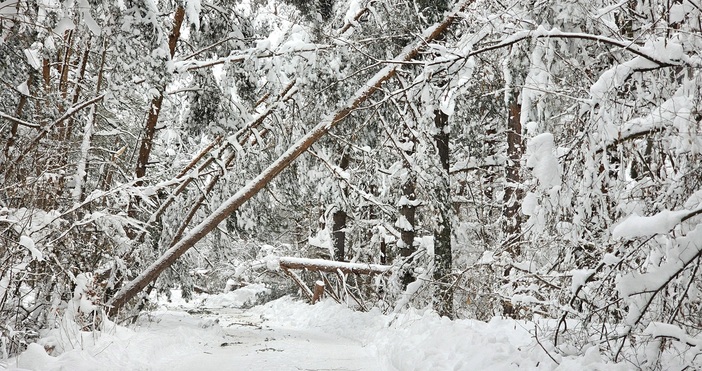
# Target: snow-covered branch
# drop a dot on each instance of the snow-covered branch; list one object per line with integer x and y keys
{"x": 662, "y": 54}
{"x": 332, "y": 266}
{"x": 19, "y": 121}
{"x": 637, "y": 226}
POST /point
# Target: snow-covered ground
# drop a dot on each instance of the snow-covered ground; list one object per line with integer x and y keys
{"x": 213, "y": 333}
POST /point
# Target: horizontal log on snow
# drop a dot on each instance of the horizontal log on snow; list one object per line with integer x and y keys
{"x": 323, "y": 265}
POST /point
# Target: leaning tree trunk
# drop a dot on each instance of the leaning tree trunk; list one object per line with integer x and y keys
{"x": 155, "y": 106}
{"x": 128, "y": 291}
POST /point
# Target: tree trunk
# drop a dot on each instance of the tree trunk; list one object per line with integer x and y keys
{"x": 339, "y": 220}
{"x": 512, "y": 226}
{"x": 15, "y": 125}
{"x": 339, "y": 234}
{"x": 155, "y": 106}
{"x": 408, "y": 213}
{"x": 82, "y": 167}
{"x": 234, "y": 202}
{"x": 443, "y": 259}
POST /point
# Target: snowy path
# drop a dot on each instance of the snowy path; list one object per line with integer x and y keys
{"x": 203, "y": 339}
{"x": 251, "y": 345}
{"x": 209, "y": 333}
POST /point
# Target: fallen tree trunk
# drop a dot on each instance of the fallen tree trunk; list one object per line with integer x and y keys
{"x": 323, "y": 265}
{"x": 128, "y": 291}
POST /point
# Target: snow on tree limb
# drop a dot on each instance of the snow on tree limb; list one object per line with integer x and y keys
{"x": 638, "y": 226}
{"x": 639, "y": 289}
{"x": 129, "y": 290}
{"x": 19, "y": 121}
{"x": 657, "y": 54}
{"x": 324, "y": 265}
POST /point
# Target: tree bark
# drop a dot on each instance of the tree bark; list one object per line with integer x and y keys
{"x": 247, "y": 192}
{"x": 339, "y": 220}
{"x": 15, "y": 125}
{"x": 512, "y": 226}
{"x": 408, "y": 212}
{"x": 512, "y": 222}
{"x": 443, "y": 259}
{"x": 155, "y": 105}
{"x": 339, "y": 234}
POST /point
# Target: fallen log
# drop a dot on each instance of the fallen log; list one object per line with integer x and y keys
{"x": 322, "y": 265}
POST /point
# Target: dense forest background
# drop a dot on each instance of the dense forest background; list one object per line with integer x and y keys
{"x": 532, "y": 159}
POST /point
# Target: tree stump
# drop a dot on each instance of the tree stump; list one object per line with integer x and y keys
{"x": 318, "y": 291}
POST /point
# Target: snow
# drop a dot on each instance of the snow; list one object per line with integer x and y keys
{"x": 192, "y": 11}
{"x": 64, "y": 25}
{"x": 638, "y": 226}
{"x": 404, "y": 201}
{"x": 488, "y": 257}
{"x": 8, "y": 8}
{"x": 78, "y": 177}
{"x": 243, "y": 297}
{"x": 88, "y": 20}
{"x": 658, "y": 329}
{"x": 403, "y": 224}
{"x": 678, "y": 12}
{"x": 475, "y": 163}
{"x": 352, "y": 12}
{"x": 287, "y": 334}
{"x": 637, "y": 288}
{"x": 611, "y": 259}
{"x": 542, "y": 160}
{"x": 580, "y": 277}
{"x": 332, "y": 265}
{"x": 694, "y": 201}
{"x": 34, "y": 358}
{"x": 530, "y": 204}
{"x": 28, "y": 243}
{"x": 321, "y": 239}
{"x": 610, "y": 8}
{"x": 23, "y": 88}
{"x": 651, "y": 55}
{"x": 33, "y": 57}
